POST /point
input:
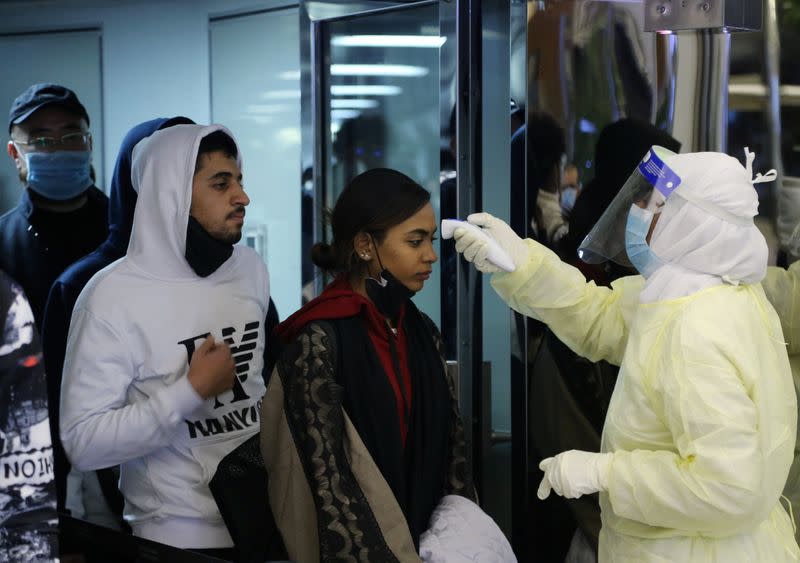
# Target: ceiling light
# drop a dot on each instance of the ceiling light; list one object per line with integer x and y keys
{"x": 339, "y": 114}
{"x": 281, "y": 95}
{"x": 290, "y": 75}
{"x": 365, "y": 90}
{"x": 431, "y": 41}
{"x": 378, "y": 70}
{"x": 349, "y": 103}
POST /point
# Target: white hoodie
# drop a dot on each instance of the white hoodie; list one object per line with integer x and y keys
{"x": 126, "y": 398}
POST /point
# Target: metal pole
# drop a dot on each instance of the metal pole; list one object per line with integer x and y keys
{"x": 520, "y": 494}
{"x": 701, "y": 89}
{"x": 772, "y": 79}
{"x": 468, "y": 168}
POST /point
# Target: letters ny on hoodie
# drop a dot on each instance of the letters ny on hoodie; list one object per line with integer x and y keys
{"x": 126, "y": 398}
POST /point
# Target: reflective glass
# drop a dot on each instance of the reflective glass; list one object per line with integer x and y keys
{"x": 258, "y": 97}
{"x": 383, "y": 106}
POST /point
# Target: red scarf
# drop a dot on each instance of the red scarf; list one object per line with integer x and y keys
{"x": 338, "y": 301}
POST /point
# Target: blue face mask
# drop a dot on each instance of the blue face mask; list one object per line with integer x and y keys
{"x": 639, "y": 252}
{"x": 568, "y": 197}
{"x": 59, "y": 175}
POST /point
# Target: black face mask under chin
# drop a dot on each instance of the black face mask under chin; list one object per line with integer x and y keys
{"x": 387, "y": 293}
{"x": 203, "y": 252}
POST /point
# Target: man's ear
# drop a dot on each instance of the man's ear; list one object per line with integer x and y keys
{"x": 16, "y": 156}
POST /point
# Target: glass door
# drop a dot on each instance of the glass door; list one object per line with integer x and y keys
{"x": 258, "y": 98}
{"x": 400, "y": 85}
{"x": 380, "y": 102}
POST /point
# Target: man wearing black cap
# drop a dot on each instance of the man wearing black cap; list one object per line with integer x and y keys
{"x": 61, "y": 215}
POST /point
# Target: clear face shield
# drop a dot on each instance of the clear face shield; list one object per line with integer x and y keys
{"x": 648, "y": 187}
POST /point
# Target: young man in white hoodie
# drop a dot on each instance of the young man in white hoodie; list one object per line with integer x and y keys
{"x": 162, "y": 373}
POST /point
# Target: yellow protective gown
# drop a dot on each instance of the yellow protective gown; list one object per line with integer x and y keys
{"x": 703, "y": 418}
{"x": 782, "y": 288}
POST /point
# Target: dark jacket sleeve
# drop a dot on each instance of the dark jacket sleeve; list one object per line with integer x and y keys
{"x": 29, "y": 523}
{"x": 458, "y": 480}
{"x": 272, "y": 344}
{"x": 346, "y": 525}
{"x": 55, "y": 327}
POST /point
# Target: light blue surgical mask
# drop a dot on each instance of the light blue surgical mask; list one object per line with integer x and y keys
{"x": 639, "y": 252}
{"x": 568, "y": 197}
{"x": 59, "y": 175}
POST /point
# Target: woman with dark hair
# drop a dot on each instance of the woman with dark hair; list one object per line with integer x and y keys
{"x": 361, "y": 433}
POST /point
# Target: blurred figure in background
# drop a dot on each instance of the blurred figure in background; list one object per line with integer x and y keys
{"x": 61, "y": 215}
{"x": 536, "y": 173}
{"x": 570, "y": 189}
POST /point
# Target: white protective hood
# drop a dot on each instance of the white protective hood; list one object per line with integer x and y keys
{"x": 705, "y": 234}
{"x": 162, "y": 170}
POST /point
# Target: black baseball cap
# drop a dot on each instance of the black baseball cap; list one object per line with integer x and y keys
{"x": 39, "y": 95}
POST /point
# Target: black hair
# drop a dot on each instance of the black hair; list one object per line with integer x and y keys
{"x": 373, "y": 202}
{"x": 218, "y": 141}
{"x": 546, "y": 144}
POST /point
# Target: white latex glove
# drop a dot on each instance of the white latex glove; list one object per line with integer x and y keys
{"x": 574, "y": 473}
{"x": 475, "y": 250}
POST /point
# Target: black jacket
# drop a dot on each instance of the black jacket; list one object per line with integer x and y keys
{"x": 35, "y": 263}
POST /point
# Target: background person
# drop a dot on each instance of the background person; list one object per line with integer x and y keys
{"x": 61, "y": 215}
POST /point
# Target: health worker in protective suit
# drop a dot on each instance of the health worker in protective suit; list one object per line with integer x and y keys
{"x": 700, "y": 431}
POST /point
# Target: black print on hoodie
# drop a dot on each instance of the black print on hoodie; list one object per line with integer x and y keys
{"x": 28, "y": 521}
{"x": 237, "y": 419}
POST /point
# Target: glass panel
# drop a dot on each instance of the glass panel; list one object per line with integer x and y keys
{"x": 496, "y": 132}
{"x": 71, "y": 59}
{"x": 590, "y": 64}
{"x": 258, "y": 97}
{"x": 383, "y": 105}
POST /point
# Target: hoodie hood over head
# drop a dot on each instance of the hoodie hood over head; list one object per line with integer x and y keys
{"x": 162, "y": 173}
{"x": 122, "y": 196}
